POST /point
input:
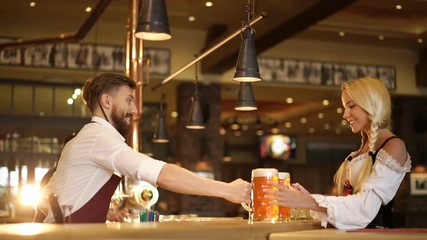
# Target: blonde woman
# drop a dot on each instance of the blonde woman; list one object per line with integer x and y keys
{"x": 369, "y": 177}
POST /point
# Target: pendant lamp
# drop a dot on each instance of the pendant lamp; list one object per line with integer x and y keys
{"x": 160, "y": 133}
{"x": 247, "y": 64}
{"x": 245, "y": 98}
{"x": 195, "y": 118}
{"x": 153, "y": 23}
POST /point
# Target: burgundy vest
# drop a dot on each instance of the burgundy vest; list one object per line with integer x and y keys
{"x": 96, "y": 209}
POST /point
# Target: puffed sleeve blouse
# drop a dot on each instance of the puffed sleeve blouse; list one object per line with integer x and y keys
{"x": 358, "y": 210}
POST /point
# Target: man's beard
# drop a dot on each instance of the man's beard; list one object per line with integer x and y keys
{"x": 119, "y": 121}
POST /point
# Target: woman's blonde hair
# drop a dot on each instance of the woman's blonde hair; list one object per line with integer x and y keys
{"x": 373, "y": 97}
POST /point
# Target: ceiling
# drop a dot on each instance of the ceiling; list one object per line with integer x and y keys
{"x": 369, "y": 22}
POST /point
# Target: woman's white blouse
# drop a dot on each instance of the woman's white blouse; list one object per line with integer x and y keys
{"x": 358, "y": 210}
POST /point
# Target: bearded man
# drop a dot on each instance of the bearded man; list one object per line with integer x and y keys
{"x": 91, "y": 164}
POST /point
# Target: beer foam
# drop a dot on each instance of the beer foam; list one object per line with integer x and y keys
{"x": 284, "y": 175}
{"x": 262, "y": 172}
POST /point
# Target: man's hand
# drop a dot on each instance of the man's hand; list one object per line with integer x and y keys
{"x": 118, "y": 215}
{"x": 239, "y": 191}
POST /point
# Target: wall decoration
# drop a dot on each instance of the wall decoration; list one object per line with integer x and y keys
{"x": 308, "y": 72}
{"x": 82, "y": 56}
{"x": 418, "y": 183}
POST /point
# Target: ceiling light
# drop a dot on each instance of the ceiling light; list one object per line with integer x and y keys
{"x": 381, "y": 37}
{"x": 153, "y": 23}
{"x": 327, "y": 126}
{"x": 245, "y": 98}
{"x": 32, "y": 4}
{"x": 339, "y": 110}
{"x": 195, "y": 118}
{"x": 311, "y": 130}
{"x": 74, "y": 96}
{"x": 259, "y": 132}
{"x": 320, "y": 115}
{"x": 342, "y": 34}
{"x": 222, "y": 131}
{"x": 325, "y": 102}
{"x": 398, "y": 6}
{"x": 88, "y": 9}
{"x": 77, "y": 91}
{"x": 303, "y": 120}
{"x": 174, "y": 114}
{"x": 288, "y": 125}
{"x": 343, "y": 122}
{"x": 191, "y": 18}
{"x": 208, "y": 4}
{"x": 245, "y": 127}
{"x": 289, "y": 100}
{"x": 70, "y": 101}
{"x": 420, "y": 40}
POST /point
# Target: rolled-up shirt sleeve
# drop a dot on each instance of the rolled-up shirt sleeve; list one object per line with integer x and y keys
{"x": 115, "y": 155}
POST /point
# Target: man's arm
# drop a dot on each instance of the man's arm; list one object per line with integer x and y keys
{"x": 180, "y": 180}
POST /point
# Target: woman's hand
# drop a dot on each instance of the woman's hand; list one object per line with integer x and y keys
{"x": 293, "y": 196}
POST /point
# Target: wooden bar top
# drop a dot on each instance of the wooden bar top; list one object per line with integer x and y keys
{"x": 199, "y": 228}
{"x": 363, "y": 234}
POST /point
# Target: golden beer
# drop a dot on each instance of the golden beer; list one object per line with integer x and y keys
{"x": 262, "y": 209}
{"x": 284, "y": 212}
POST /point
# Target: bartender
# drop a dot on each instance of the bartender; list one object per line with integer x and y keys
{"x": 90, "y": 164}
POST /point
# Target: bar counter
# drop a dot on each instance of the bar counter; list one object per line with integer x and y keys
{"x": 199, "y": 228}
{"x": 362, "y": 234}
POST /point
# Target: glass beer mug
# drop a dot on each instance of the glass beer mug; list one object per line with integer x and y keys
{"x": 260, "y": 208}
{"x": 284, "y": 212}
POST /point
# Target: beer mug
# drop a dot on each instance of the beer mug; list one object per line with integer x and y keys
{"x": 260, "y": 208}
{"x": 284, "y": 212}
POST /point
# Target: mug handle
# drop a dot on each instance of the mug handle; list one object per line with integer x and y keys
{"x": 246, "y": 207}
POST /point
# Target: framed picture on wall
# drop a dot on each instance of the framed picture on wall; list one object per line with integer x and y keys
{"x": 418, "y": 183}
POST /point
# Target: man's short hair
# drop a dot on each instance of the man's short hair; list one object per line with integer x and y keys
{"x": 103, "y": 83}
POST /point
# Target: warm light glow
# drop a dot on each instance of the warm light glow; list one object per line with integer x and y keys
{"x": 191, "y": 18}
{"x": 320, "y": 115}
{"x": 245, "y": 127}
{"x": 237, "y": 133}
{"x": 74, "y": 96}
{"x": 327, "y": 126}
{"x": 235, "y": 126}
{"x": 381, "y": 37}
{"x": 246, "y": 108}
{"x": 88, "y": 9}
{"x": 275, "y": 130}
{"x": 259, "y": 132}
{"x": 289, "y": 100}
{"x": 153, "y": 36}
{"x": 195, "y": 126}
{"x": 398, "y": 7}
{"x": 342, "y": 34}
{"x": 174, "y": 114}
{"x": 339, "y": 110}
{"x": 30, "y": 195}
{"x": 70, "y": 101}
{"x": 338, "y": 131}
{"x": 288, "y": 125}
{"x": 303, "y": 120}
{"x": 222, "y": 131}
{"x": 246, "y": 79}
{"x": 28, "y": 229}
{"x": 32, "y": 4}
{"x": 420, "y": 40}
{"x": 311, "y": 130}
{"x": 325, "y": 102}
{"x": 161, "y": 140}
{"x": 77, "y": 91}
{"x": 208, "y": 4}
{"x": 343, "y": 122}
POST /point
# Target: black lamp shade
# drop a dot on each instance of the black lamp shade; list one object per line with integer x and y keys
{"x": 195, "y": 118}
{"x": 160, "y": 133}
{"x": 245, "y": 99}
{"x": 153, "y": 23}
{"x": 247, "y": 64}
